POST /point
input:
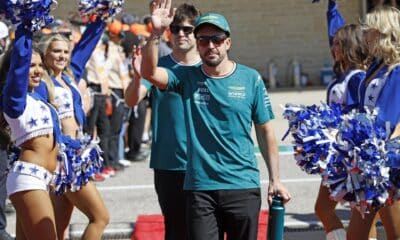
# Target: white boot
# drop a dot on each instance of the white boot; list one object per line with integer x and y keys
{"x": 337, "y": 234}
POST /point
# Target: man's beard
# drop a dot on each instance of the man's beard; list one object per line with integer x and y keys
{"x": 212, "y": 63}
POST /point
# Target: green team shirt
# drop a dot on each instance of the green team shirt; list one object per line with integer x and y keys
{"x": 168, "y": 150}
{"x": 218, "y": 115}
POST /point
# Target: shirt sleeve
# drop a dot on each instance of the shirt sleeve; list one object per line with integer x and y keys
{"x": 85, "y": 47}
{"x": 16, "y": 87}
{"x": 175, "y": 82}
{"x": 335, "y": 20}
{"x": 262, "y": 109}
{"x": 146, "y": 83}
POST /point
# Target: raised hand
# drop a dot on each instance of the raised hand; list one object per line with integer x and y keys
{"x": 161, "y": 16}
{"x": 136, "y": 59}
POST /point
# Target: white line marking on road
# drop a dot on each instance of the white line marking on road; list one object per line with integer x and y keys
{"x": 295, "y": 180}
{"x": 136, "y": 187}
{"x": 305, "y": 224}
{"x": 285, "y": 153}
{"x": 280, "y": 153}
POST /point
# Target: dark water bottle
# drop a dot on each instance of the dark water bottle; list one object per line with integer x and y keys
{"x": 276, "y": 217}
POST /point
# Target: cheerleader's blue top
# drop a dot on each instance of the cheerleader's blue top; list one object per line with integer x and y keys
{"x": 344, "y": 90}
{"x": 27, "y": 113}
{"x": 69, "y": 102}
{"x": 383, "y": 92}
{"x": 335, "y": 20}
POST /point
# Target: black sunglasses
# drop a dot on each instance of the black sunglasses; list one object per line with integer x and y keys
{"x": 175, "y": 29}
{"x": 217, "y": 40}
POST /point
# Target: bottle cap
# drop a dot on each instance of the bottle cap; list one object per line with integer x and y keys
{"x": 277, "y": 200}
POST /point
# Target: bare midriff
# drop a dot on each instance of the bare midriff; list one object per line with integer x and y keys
{"x": 41, "y": 151}
{"x": 70, "y": 127}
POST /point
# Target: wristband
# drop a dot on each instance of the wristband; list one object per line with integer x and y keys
{"x": 154, "y": 37}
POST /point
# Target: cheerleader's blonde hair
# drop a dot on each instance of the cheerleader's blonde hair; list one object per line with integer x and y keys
{"x": 387, "y": 21}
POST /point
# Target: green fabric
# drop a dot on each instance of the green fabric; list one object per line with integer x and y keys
{"x": 218, "y": 114}
{"x": 214, "y": 19}
{"x": 168, "y": 149}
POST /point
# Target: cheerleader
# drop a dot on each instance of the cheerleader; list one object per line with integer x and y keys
{"x": 75, "y": 174}
{"x": 35, "y": 129}
{"x": 381, "y": 89}
{"x": 350, "y": 55}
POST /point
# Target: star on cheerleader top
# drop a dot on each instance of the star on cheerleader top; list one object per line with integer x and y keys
{"x": 32, "y": 122}
{"x": 373, "y": 91}
{"x": 45, "y": 175}
{"x": 66, "y": 95}
{"x": 20, "y": 168}
{"x": 43, "y": 108}
{"x": 371, "y": 98}
{"x": 34, "y": 170}
{"x": 67, "y": 105}
{"x": 45, "y": 120}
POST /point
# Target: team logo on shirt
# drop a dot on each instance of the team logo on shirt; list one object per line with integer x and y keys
{"x": 202, "y": 94}
{"x": 238, "y": 92}
{"x": 267, "y": 101}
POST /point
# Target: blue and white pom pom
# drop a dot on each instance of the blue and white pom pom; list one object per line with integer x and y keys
{"x": 357, "y": 162}
{"x": 64, "y": 173}
{"x": 393, "y": 156}
{"x": 78, "y": 162}
{"x": 313, "y": 129}
{"x": 87, "y": 163}
{"x": 105, "y": 9}
{"x": 359, "y": 171}
{"x": 29, "y": 14}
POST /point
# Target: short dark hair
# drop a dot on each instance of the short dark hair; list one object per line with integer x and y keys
{"x": 185, "y": 12}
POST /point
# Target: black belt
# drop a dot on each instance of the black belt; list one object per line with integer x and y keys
{"x": 118, "y": 91}
{"x": 95, "y": 87}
